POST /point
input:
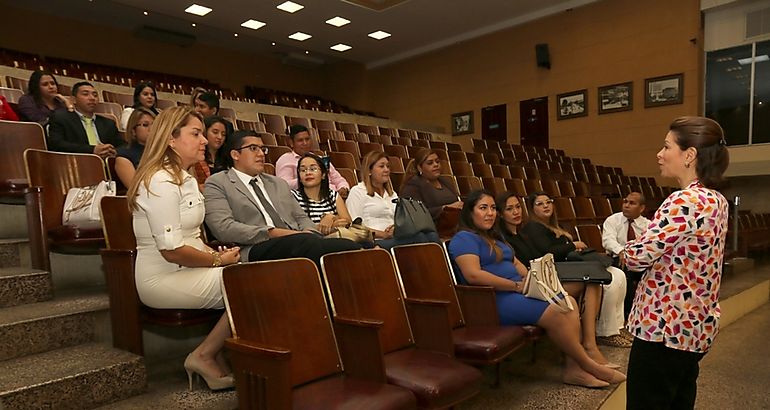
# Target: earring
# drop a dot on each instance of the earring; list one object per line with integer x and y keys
{"x": 687, "y": 165}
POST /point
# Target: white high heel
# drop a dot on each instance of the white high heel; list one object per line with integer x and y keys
{"x": 193, "y": 367}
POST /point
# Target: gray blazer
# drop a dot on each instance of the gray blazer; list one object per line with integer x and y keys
{"x": 232, "y": 214}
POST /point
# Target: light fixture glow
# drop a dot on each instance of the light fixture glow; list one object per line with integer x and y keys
{"x": 341, "y": 47}
{"x": 198, "y": 10}
{"x": 194, "y": 25}
{"x": 253, "y": 24}
{"x": 758, "y": 59}
{"x": 290, "y": 7}
{"x": 146, "y": 13}
{"x": 273, "y": 43}
{"x": 300, "y": 36}
{"x": 379, "y": 35}
{"x": 307, "y": 52}
{"x": 235, "y": 34}
{"x": 338, "y": 21}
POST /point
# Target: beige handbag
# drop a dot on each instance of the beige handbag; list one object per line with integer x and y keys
{"x": 542, "y": 283}
{"x": 356, "y": 232}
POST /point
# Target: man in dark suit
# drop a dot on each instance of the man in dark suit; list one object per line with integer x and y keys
{"x": 258, "y": 212}
{"x": 82, "y": 131}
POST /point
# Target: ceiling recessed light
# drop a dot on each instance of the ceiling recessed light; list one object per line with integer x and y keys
{"x": 341, "y": 47}
{"x": 198, "y": 10}
{"x": 235, "y": 34}
{"x": 146, "y": 13}
{"x": 307, "y": 52}
{"x": 194, "y": 25}
{"x": 290, "y": 7}
{"x": 379, "y": 35}
{"x": 300, "y": 36}
{"x": 253, "y": 24}
{"x": 273, "y": 43}
{"x": 337, "y": 21}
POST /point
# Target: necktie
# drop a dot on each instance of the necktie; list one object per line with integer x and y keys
{"x": 90, "y": 132}
{"x": 631, "y": 235}
{"x": 271, "y": 212}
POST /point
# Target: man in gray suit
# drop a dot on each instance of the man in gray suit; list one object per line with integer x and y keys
{"x": 257, "y": 211}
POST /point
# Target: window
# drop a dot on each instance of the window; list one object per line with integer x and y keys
{"x": 761, "y": 127}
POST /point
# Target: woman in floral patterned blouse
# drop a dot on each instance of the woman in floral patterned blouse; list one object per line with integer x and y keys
{"x": 676, "y": 309}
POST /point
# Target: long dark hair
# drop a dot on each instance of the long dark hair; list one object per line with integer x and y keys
{"x": 138, "y": 92}
{"x": 552, "y": 223}
{"x": 324, "y": 192}
{"x": 708, "y": 139}
{"x": 33, "y": 87}
{"x": 490, "y": 236}
{"x": 501, "y": 202}
{"x": 218, "y": 162}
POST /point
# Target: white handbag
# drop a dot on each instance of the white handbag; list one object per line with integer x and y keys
{"x": 543, "y": 283}
{"x": 82, "y": 205}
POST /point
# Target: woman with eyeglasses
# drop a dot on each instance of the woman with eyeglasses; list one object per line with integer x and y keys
{"x": 480, "y": 256}
{"x": 214, "y": 158}
{"x": 128, "y": 156}
{"x": 542, "y": 235}
{"x": 174, "y": 268}
{"x": 321, "y": 203}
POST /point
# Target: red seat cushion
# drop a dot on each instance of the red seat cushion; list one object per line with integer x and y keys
{"x": 436, "y": 380}
{"x": 485, "y": 344}
{"x": 346, "y": 393}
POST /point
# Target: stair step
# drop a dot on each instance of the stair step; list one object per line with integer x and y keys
{"x": 14, "y": 252}
{"x": 79, "y": 377}
{"x": 13, "y": 220}
{"x": 44, "y": 326}
{"x": 19, "y": 286}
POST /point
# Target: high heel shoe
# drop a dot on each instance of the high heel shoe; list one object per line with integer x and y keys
{"x": 192, "y": 366}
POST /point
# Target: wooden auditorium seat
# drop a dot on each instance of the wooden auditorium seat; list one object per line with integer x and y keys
{"x": 417, "y": 346}
{"x": 15, "y": 138}
{"x": 344, "y": 160}
{"x": 284, "y": 351}
{"x": 592, "y": 236}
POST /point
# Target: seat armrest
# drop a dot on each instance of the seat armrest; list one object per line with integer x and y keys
{"x": 38, "y": 237}
{"x": 262, "y": 375}
{"x": 360, "y": 348}
{"x": 478, "y": 305}
{"x": 429, "y": 320}
{"x": 125, "y": 307}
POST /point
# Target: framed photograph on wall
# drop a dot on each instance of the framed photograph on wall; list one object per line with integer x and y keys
{"x": 572, "y": 105}
{"x": 666, "y": 90}
{"x": 616, "y": 98}
{"x": 462, "y": 123}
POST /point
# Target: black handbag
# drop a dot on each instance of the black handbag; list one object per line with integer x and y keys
{"x": 411, "y": 218}
{"x": 589, "y": 254}
{"x": 585, "y": 271}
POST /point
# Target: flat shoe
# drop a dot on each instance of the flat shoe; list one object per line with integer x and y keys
{"x": 592, "y": 383}
{"x": 612, "y": 366}
{"x": 617, "y": 377}
{"x": 614, "y": 341}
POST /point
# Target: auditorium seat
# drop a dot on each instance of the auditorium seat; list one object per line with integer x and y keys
{"x": 124, "y": 100}
{"x": 501, "y": 171}
{"x": 257, "y": 126}
{"x": 475, "y": 157}
{"x": 411, "y": 134}
{"x": 12, "y": 95}
{"x": 381, "y": 139}
{"x": 495, "y": 185}
{"x": 517, "y": 171}
{"x": 565, "y": 213}
{"x": 424, "y": 135}
{"x": 478, "y": 339}
{"x": 397, "y": 179}
{"x": 584, "y": 211}
{"x": 349, "y": 175}
{"x": 550, "y": 187}
{"x": 533, "y": 185}
{"x": 451, "y": 146}
{"x": 516, "y": 186}
{"x": 421, "y": 143}
{"x": 229, "y": 114}
{"x": 396, "y": 164}
{"x": 275, "y": 152}
{"x": 566, "y": 189}
{"x": 274, "y": 123}
{"x": 440, "y": 145}
{"x": 270, "y": 139}
{"x": 276, "y": 308}
{"x": 369, "y": 129}
{"x": 15, "y": 138}
{"x": 592, "y": 236}
{"x": 357, "y": 136}
{"x": 602, "y": 207}
{"x": 482, "y": 170}
{"x": 391, "y": 132}
{"x": 461, "y": 168}
{"x": 346, "y": 146}
{"x": 17, "y": 83}
{"x": 347, "y": 127}
{"x": 415, "y": 335}
{"x": 323, "y": 124}
{"x": 298, "y": 121}
{"x": 396, "y": 150}
{"x": 166, "y": 104}
{"x": 405, "y": 141}
{"x": 344, "y": 160}
{"x": 367, "y": 147}
{"x": 467, "y": 184}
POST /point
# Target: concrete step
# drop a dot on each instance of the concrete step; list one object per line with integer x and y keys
{"x": 13, "y": 220}
{"x": 65, "y": 321}
{"x": 14, "y": 253}
{"x": 79, "y": 377}
{"x": 19, "y": 286}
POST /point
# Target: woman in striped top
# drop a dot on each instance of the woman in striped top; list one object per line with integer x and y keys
{"x": 321, "y": 204}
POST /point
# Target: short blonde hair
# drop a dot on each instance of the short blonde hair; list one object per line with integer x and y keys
{"x": 366, "y": 172}
{"x": 158, "y": 154}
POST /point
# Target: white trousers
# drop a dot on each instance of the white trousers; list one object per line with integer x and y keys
{"x": 611, "y": 318}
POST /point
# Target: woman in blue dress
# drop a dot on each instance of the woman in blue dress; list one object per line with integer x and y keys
{"x": 481, "y": 257}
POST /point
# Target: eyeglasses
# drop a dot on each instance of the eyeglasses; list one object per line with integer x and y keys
{"x": 254, "y": 148}
{"x": 544, "y": 203}
{"x": 311, "y": 168}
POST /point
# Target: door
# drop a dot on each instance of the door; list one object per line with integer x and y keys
{"x": 533, "y": 117}
{"x": 493, "y": 123}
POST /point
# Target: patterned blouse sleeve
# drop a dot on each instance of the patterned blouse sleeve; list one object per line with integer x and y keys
{"x": 674, "y": 220}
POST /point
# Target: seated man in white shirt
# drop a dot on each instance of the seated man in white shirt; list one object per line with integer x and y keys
{"x": 301, "y": 143}
{"x": 257, "y": 211}
{"x": 618, "y": 229}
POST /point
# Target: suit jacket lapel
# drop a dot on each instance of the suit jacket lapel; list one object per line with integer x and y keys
{"x": 241, "y": 187}
{"x": 272, "y": 192}
{"x": 80, "y": 127}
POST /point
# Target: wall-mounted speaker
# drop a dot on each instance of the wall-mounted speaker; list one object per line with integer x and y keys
{"x": 543, "y": 58}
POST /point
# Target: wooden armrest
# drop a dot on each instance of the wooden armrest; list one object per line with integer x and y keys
{"x": 125, "y": 307}
{"x": 360, "y": 348}
{"x": 478, "y": 305}
{"x": 262, "y": 375}
{"x": 38, "y": 238}
{"x": 430, "y": 325}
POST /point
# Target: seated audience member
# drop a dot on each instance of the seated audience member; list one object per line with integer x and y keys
{"x": 82, "y": 131}
{"x": 423, "y": 181}
{"x": 174, "y": 268}
{"x": 301, "y": 143}
{"x": 206, "y": 104}
{"x": 144, "y": 96}
{"x": 194, "y": 95}
{"x": 480, "y": 257}
{"x": 324, "y": 206}
{"x": 6, "y": 111}
{"x": 216, "y": 134}
{"x": 542, "y": 234}
{"x": 372, "y": 201}
{"x": 127, "y": 160}
{"x": 42, "y": 98}
{"x": 620, "y": 228}
{"x": 256, "y": 210}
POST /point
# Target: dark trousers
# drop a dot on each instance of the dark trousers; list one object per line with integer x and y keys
{"x": 419, "y": 237}
{"x": 661, "y": 378}
{"x": 301, "y": 245}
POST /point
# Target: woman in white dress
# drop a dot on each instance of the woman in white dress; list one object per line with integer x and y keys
{"x": 174, "y": 268}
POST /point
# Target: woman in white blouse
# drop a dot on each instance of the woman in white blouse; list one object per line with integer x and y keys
{"x": 174, "y": 268}
{"x": 372, "y": 201}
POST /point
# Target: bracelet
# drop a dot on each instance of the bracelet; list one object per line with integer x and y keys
{"x": 217, "y": 262}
